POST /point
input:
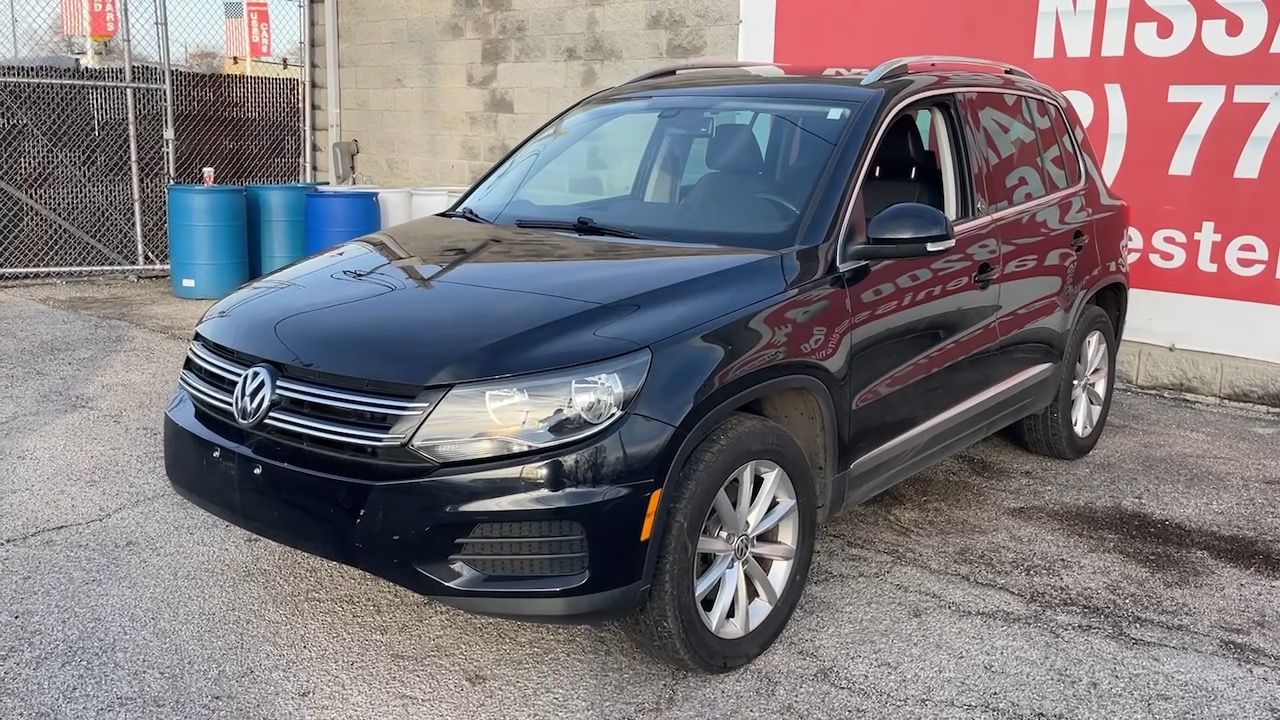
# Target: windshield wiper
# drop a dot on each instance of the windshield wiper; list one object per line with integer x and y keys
{"x": 583, "y": 226}
{"x": 466, "y": 213}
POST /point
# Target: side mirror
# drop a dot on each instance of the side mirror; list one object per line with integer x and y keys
{"x": 906, "y": 230}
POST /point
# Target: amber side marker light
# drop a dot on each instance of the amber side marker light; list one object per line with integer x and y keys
{"x": 647, "y": 528}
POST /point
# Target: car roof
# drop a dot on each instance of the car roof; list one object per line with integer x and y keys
{"x": 893, "y": 77}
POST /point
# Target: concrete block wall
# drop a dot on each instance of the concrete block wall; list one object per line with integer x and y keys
{"x": 1199, "y": 373}
{"x": 436, "y": 91}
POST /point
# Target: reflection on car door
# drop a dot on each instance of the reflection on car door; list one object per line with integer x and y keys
{"x": 922, "y": 329}
{"x": 1033, "y": 188}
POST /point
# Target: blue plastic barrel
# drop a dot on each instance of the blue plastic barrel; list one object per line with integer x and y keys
{"x": 208, "y": 240}
{"x": 277, "y": 225}
{"x": 337, "y": 216}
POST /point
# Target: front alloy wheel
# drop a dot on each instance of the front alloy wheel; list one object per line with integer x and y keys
{"x": 734, "y": 551}
{"x": 746, "y": 549}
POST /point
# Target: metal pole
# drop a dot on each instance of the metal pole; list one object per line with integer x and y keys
{"x": 131, "y": 110}
{"x": 308, "y": 97}
{"x": 77, "y": 269}
{"x": 248, "y": 48}
{"x": 166, "y": 67}
{"x": 90, "y": 55}
{"x": 332, "y": 75}
{"x": 87, "y": 83}
{"x": 13, "y": 28}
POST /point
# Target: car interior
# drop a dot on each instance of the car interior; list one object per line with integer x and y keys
{"x": 736, "y": 169}
{"x": 903, "y": 171}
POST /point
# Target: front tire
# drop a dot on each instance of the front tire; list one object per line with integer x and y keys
{"x": 735, "y": 550}
{"x": 1072, "y": 424}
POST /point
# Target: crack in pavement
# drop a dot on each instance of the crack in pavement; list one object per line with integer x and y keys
{"x": 92, "y": 521}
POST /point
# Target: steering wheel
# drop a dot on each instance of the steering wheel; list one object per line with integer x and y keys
{"x": 779, "y": 200}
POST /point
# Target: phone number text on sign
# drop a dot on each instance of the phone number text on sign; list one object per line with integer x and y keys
{"x": 1208, "y": 101}
{"x": 1180, "y": 98}
{"x": 1170, "y": 241}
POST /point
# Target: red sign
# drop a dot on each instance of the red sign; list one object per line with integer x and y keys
{"x": 104, "y": 22}
{"x": 1197, "y": 82}
{"x": 97, "y": 19}
{"x": 259, "y": 29}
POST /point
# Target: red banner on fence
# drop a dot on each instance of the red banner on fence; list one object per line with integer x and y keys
{"x": 259, "y": 29}
{"x": 104, "y": 22}
{"x": 1181, "y": 99}
{"x": 97, "y": 19}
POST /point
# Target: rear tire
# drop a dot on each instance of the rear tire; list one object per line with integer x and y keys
{"x": 1072, "y": 424}
{"x": 722, "y": 550}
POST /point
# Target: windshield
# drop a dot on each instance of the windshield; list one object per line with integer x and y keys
{"x": 716, "y": 170}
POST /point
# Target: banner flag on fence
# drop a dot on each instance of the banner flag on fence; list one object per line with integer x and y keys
{"x": 98, "y": 19}
{"x": 245, "y": 36}
{"x": 104, "y": 22}
{"x": 74, "y": 18}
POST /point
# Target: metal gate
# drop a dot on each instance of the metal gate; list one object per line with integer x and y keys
{"x": 98, "y": 115}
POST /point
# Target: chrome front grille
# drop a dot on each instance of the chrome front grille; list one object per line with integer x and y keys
{"x": 305, "y": 410}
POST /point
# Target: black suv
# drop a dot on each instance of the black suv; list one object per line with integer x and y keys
{"x": 691, "y": 318}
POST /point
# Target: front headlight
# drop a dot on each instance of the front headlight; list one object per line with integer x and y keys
{"x": 513, "y": 415}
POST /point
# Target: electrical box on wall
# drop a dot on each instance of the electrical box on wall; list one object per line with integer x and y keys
{"x": 344, "y": 160}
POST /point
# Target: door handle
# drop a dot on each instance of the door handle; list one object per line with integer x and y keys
{"x": 986, "y": 273}
{"x": 1078, "y": 240}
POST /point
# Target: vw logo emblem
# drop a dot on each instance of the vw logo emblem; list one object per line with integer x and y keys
{"x": 254, "y": 395}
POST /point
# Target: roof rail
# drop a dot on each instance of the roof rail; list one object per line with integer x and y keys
{"x": 671, "y": 70}
{"x": 902, "y": 66}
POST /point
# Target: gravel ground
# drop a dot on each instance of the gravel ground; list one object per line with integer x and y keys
{"x": 1143, "y": 581}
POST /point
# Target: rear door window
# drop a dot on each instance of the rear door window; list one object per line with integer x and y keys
{"x": 1008, "y": 147}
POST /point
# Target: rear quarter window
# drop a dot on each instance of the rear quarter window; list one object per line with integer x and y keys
{"x": 1023, "y": 155}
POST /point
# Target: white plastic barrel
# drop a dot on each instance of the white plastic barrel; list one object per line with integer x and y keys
{"x": 340, "y": 188}
{"x": 395, "y": 205}
{"x": 455, "y": 192}
{"x": 428, "y": 201}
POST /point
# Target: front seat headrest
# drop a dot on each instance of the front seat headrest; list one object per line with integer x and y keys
{"x": 901, "y": 153}
{"x": 733, "y": 149}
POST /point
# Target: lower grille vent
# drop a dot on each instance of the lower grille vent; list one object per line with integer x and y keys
{"x": 525, "y": 549}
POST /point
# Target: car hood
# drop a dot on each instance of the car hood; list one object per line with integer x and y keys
{"x": 440, "y": 300}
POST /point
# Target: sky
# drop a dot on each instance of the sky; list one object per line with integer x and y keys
{"x": 193, "y": 25}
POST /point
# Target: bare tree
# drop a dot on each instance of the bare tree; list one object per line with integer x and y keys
{"x": 205, "y": 60}
{"x": 53, "y": 42}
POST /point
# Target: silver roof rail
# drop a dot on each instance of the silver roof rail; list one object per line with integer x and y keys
{"x": 901, "y": 66}
{"x": 696, "y": 65}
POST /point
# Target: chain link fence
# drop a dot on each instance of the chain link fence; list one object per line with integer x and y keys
{"x": 103, "y": 103}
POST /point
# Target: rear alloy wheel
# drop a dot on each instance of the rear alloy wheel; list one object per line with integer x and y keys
{"x": 735, "y": 549}
{"x": 1072, "y": 424}
{"x": 1089, "y": 391}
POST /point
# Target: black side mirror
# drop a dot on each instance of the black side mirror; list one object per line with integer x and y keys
{"x": 906, "y": 230}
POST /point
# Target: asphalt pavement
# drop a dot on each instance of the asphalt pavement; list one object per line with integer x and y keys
{"x": 1143, "y": 581}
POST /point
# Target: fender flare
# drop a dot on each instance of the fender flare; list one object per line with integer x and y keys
{"x": 691, "y": 439}
{"x": 1087, "y": 297}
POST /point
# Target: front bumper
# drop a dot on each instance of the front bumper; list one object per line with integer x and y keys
{"x": 553, "y": 538}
